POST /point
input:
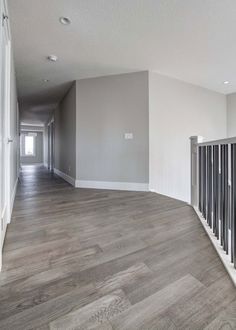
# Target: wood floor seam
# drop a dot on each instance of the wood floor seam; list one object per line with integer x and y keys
{"x": 108, "y": 260}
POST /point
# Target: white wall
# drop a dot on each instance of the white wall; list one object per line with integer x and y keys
{"x": 178, "y": 110}
{"x": 231, "y": 115}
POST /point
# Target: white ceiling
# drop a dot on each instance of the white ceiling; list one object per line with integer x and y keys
{"x": 192, "y": 40}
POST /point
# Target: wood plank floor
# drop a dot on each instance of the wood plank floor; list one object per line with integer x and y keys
{"x": 99, "y": 259}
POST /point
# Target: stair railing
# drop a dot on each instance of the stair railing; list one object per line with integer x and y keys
{"x": 213, "y": 194}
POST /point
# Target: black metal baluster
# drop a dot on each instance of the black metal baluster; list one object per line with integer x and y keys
{"x": 219, "y": 195}
{"x": 229, "y": 199}
{"x": 226, "y": 190}
{"x": 207, "y": 182}
{"x": 222, "y": 149}
{"x": 215, "y": 190}
{"x": 232, "y": 201}
{"x": 200, "y": 179}
{"x": 204, "y": 193}
{"x": 233, "y": 204}
{"x": 209, "y": 186}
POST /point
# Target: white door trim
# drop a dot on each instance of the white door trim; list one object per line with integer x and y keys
{"x": 7, "y": 111}
{"x": 5, "y": 46}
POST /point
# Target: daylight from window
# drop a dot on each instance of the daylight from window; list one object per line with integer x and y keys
{"x": 29, "y": 145}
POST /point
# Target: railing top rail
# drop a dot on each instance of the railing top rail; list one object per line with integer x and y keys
{"x": 217, "y": 142}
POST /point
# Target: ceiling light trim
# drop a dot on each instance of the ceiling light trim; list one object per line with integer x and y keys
{"x": 52, "y": 58}
{"x": 64, "y": 20}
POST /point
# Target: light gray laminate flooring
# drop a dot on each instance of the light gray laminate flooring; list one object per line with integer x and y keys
{"x": 102, "y": 259}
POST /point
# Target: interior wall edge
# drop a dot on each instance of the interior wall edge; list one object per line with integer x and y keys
{"x": 65, "y": 176}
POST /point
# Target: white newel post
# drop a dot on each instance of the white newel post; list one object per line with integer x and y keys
{"x": 194, "y": 140}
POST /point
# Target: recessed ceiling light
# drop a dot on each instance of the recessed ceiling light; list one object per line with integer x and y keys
{"x": 226, "y": 82}
{"x": 64, "y": 20}
{"x": 52, "y": 58}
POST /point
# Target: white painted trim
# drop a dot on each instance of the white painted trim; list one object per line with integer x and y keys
{"x": 36, "y": 125}
{"x": 222, "y": 254}
{"x": 51, "y": 121}
{"x": 32, "y": 164}
{"x": 154, "y": 191}
{"x": 132, "y": 186}
{"x": 65, "y": 176}
{"x": 167, "y": 195}
{"x": 7, "y": 24}
{"x": 32, "y": 130}
{"x": 4, "y": 216}
{"x": 13, "y": 195}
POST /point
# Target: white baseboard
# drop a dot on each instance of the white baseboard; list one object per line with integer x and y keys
{"x": 215, "y": 242}
{"x": 65, "y": 176}
{"x": 132, "y": 186}
{"x": 168, "y": 195}
{"x": 7, "y": 213}
{"x": 5, "y": 223}
{"x": 154, "y": 191}
{"x": 32, "y": 164}
{"x": 13, "y": 195}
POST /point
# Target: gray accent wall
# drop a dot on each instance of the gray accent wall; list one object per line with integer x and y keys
{"x": 45, "y": 146}
{"x": 65, "y": 134}
{"x": 38, "y": 158}
{"x": 107, "y": 108}
{"x": 161, "y": 113}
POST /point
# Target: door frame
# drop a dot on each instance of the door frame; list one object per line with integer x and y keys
{"x": 5, "y": 41}
{"x": 8, "y": 119}
{"x": 51, "y": 145}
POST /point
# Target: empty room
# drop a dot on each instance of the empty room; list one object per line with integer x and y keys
{"x": 118, "y": 165}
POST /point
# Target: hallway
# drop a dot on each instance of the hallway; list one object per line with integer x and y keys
{"x": 102, "y": 259}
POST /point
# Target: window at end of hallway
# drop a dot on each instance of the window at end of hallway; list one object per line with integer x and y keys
{"x": 29, "y": 146}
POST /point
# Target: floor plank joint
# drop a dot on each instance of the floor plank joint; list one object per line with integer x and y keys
{"x": 106, "y": 259}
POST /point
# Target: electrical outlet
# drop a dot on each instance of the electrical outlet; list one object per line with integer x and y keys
{"x": 129, "y": 136}
{"x": 69, "y": 168}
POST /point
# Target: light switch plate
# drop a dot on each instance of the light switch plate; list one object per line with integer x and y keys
{"x": 128, "y": 136}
